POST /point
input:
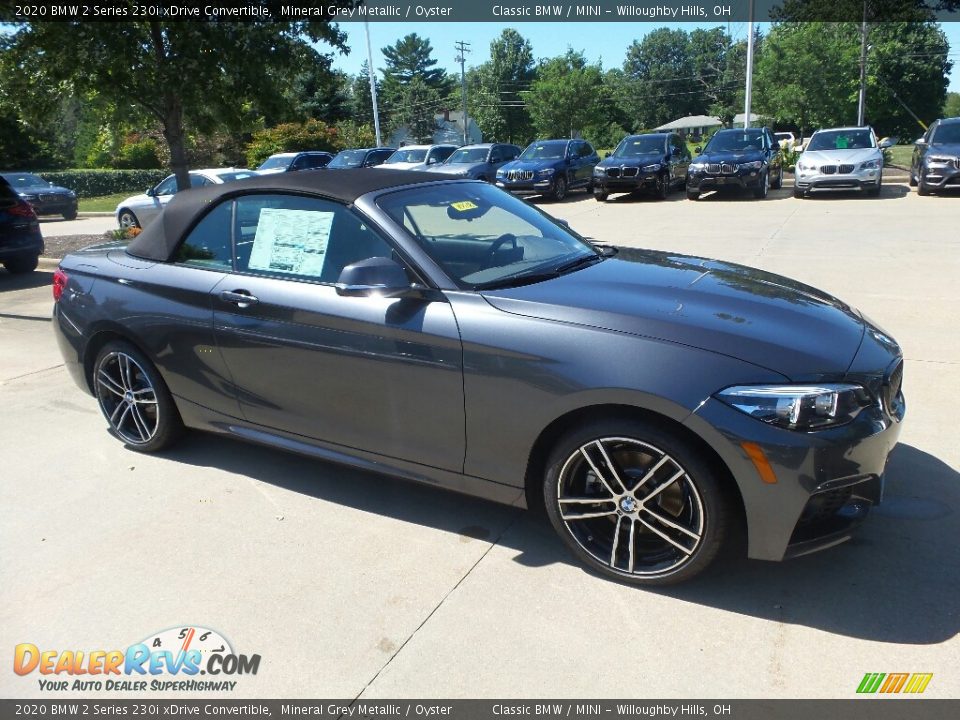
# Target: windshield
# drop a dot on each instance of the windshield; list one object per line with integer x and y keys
{"x": 545, "y": 151}
{"x": 348, "y": 158}
{"x": 841, "y": 140}
{"x": 735, "y": 141}
{"x": 947, "y": 134}
{"x": 238, "y": 175}
{"x": 639, "y": 145}
{"x": 277, "y": 161}
{"x": 24, "y": 179}
{"x": 469, "y": 155}
{"x": 407, "y": 156}
{"x": 484, "y": 237}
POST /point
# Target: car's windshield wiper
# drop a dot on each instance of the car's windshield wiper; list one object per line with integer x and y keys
{"x": 578, "y": 262}
{"x": 517, "y": 280}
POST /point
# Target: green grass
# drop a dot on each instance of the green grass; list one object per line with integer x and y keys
{"x": 103, "y": 203}
{"x": 900, "y": 155}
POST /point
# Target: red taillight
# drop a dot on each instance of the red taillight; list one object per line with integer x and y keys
{"x": 22, "y": 209}
{"x": 60, "y": 281}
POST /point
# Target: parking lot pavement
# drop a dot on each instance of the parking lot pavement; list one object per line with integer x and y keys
{"x": 353, "y": 585}
{"x": 85, "y": 225}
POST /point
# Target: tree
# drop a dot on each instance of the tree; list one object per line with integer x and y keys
{"x": 719, "y": 69}
{"x": 361, "y": 103}
{"x": 417, "y": 108}
{"x": 494, "y": 89}
{"x": 321, "y": 93}
{"x": 565, "y": 98}
{"x": 413, "y": 88}
{"x": 208, "y": 71}
{"x": 661, "y": 80}
{"x": 951, "y": 108}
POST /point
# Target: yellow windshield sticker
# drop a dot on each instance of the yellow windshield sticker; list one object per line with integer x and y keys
{"x": 464, "y": 205}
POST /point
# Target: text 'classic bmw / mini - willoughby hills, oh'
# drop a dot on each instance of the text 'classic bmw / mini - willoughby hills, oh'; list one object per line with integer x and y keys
{"x": 444, "y": 331}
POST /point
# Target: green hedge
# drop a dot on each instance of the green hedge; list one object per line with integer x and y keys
{"x": 91, "y": 183}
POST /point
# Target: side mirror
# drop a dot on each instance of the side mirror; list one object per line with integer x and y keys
{"x": 373, "y": 277}
{"x": 887, "y": 143}
{"x": 431, "y": 160}
{"x": 150, "y": 192}
{"x": 920, "y": 141}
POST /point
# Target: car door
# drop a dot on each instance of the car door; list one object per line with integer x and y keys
{"x": 679, "y": 159}
{"x": 371, "y": 373}
{"x": 589, "y": 160}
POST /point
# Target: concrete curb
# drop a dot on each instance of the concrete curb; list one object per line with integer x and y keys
{"x": 49, "y": 263}
{"x": 95, "y": 214}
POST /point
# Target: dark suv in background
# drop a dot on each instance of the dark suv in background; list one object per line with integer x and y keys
{"x": 747, "y": 159}
{"x": 20, "y": 240}
{"x": 44, "y": 197}
{"x": 550, "y": 167}
{"x": 360, "y": 157}
{"x": 655, "y": 162}
{"x": 936, "y": 158}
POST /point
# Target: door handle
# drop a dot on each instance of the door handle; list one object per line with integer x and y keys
{"x": 240, "y": 298}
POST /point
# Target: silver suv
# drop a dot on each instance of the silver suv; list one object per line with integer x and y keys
{"x": 847, "y": 158}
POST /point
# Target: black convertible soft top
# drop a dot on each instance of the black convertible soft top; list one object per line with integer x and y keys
{"x": 160, "y": 239}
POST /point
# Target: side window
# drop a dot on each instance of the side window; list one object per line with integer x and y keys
{"x": 167, "y": 187}
{"x": 208, "y": 245}
{"x": 514, "y": 153}
{"x": 199, "y": 181}
{"x": 300, "y": 163}
{"x": 586, "y": 150}
{"x": 496, "y": 154}
{"x": 301, "y": 238}
{"x": 444, "y": 152}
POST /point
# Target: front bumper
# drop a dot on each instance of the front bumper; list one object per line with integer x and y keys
{"x": 623, "y": 182}
{"x": 807, "y": 180}
{"x": 942, "y": 177}
{"x": 59, "y": 206}
{"x": 826, "y": 481}
{"x": 535, "y": 185}
{"x": 741, "y": 179}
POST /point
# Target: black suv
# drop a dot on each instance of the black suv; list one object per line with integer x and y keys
{"x": 20, "y": 240}
{"x": 748, "y": 159}
{"x": 293, "y": 161}
{"x": 550, "y": 167}
{"x": 656, "y": 162}
{"x": 936, "y": 158}
{"x": 360, "y": 157}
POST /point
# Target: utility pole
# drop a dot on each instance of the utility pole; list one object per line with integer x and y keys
{"x": 862, "y": 101}
{"x": 373, "y": 86}
{"x": 462, "y": 49}
{"x": 747, "y": 96}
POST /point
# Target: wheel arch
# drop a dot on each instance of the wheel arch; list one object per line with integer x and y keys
{"x": 96, "y": 343}
{"x": 548, "y": 437}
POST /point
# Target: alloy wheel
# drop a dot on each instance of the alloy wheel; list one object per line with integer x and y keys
{"x": 127, "y": 398}
{"x": 631, "y": 506}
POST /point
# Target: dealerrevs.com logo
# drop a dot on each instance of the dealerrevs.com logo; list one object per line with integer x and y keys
{"x": 170, "y": 660}
{"x": 887, "y": 683}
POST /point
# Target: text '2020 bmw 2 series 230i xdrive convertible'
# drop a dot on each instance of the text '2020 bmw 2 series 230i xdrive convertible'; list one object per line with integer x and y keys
{"x": 447, "y": 332}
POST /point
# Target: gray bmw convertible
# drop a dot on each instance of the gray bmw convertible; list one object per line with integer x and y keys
{"x": 656, "y": 405}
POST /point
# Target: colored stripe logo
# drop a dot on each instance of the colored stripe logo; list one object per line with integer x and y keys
{"x": 913, "y": 683}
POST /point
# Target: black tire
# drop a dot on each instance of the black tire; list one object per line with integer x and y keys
{"x": 922, "y": 189}
{"x": 779, "y": 181}
{"x": 692, "y": 514}
{"x": 559, "y": 190}
{"x": 127, "y": 219}
{"x": 663, "y": 187}
{"x": 134, "y": 399}
{"x": 600, "y": 195}
{"x": 798, "y": 193}
{"x": 913, "y": 179}
{"x": 70, "y": 215}
{"x": 875, "y": 191}
{"x": 22, "y": 265}
{"x": 763, "y": 188}
{"x": 693, "y": 194}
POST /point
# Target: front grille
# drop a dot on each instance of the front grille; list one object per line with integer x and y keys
{"x": 721, "y": 169}
{"x": 613, "y": 172}
{"x": 520, "y": 174}
{"x": 956, "y": 163}
{"x": 828, "y": 169}
{"x": 846, "y": 169}
{"x": 891, "y": 388}
{"x": 713, "y": 168}
{"x": 630, "y": 171}
{"x": 728, "y": 169}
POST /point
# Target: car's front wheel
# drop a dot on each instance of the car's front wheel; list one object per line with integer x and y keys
{"x": 693, "y": 194}
{"x": 127, "y": 219}
{"x": 922, "y": 189}
{"x": 763, "y": 187}
{"x": 600, "y": 194}
{"x": 70, "y": 215}
{"x": 559, "y": 188}
{"x": 635, "y": 502}
{"x": 134, "y": 398}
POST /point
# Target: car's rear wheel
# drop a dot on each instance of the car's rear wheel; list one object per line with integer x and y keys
{"x": 635, "y": 502}
{"x": 22, "y": 264}
{"x": 134, "y": 398}
{"x": 127, "y": 219}
{"x": 559, "y": 188}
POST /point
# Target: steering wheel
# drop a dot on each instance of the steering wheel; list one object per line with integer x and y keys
{"x": 488, "y": 261}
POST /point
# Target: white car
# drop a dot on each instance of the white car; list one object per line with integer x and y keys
{"x": 141, "y": 210}
{"x": 418, "y": 157}
{"x": 848, "y": 158}
{"x": 786, "y": 140}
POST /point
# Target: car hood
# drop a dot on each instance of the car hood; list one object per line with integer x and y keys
{"x": 835, "y": 157}
{"x": 402, "y": 166}
{"x": 271, "y": 171}
{"x": 730, "y": 156}
{"x": 945, "y": 149}
{"x": 135, "y": 200}
{"x": 755, "y": 316}
{"x": 634, "y": 161}
{"x": 534, "y": 164}
{"x": 456, "y": 168}
{"x": 46, "y": 189}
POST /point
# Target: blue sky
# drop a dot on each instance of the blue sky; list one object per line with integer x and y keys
{"x": 606, "y": 42}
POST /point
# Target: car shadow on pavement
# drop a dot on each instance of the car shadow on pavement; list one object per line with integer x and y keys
{"x": 895, "y": 582}
{"x": 889, "y": 191}
{"x": 10, "y": 282}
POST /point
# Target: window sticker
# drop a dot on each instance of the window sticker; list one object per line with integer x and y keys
{"x": 291, "y": 241}
{"x": 464, "y": 205}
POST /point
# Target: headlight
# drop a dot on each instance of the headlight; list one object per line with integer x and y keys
{"x": 598, "y": 170}
{"x": 870, "y": 165}
{"x": 806, "y": 166}
{"x": 501, "y": 173}
{"x": 545, "y": 173}
{"x": 755, "y": 165}
{"x": 798, "y": 407}
{"x": 27, "y": 196}
{"x": 938, "y": 160}
{"x": 652, "y": 168}
{"x": 698, "y": 166}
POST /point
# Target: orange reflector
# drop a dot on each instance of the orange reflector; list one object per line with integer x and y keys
{"x": 760, "y": 462}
